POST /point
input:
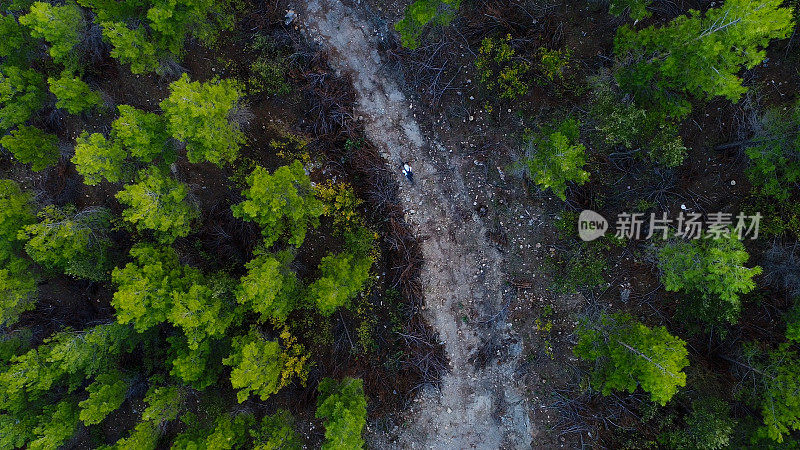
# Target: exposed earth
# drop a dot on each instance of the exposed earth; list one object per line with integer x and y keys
{"x": 481, "y": 403}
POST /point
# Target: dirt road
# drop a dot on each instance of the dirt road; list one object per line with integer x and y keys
{"x": 480, "y": 405}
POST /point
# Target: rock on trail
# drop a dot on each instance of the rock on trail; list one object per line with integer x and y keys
{"x": 480, "y": 404}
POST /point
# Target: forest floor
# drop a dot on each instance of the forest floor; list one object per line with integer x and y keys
{"x": 480, "y": 403}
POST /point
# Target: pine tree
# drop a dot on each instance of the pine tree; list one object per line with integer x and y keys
{"x": 131, "y": 46}
{"x": 280, "y": 203}
{"x": 342, "y": 276}
{"x": 17, "y": 284}
{"x": 698, "y": 54}
{"x": 711, "y": 268}
{"x": 22, "y": 93}
{"x": 31, "y": 145}
{"x": 344, "y": 408}
{"x": 259, "y": 366}
{"x": 159, "y": 203}
{"x": 61, "y": 26}
{"x": 198, "y": 114}
{"x": 555, "y": 157}
{"x": 269, "y": 287}
{"x": 628, "y": 354}
{"x": 74, "y": 242}
{"x": 420, "y": 14}
{"x": 145, "y": 287}
{"x": 98, "y": 159}
{"x": 72, "y": 94}
{"x": 106, "y": 394}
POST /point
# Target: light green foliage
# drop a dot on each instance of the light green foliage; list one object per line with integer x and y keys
{"x": 106, "y": 395}
{"x": 420, "y": 14}
{"x": 268, "y": 288}
{"x": 158, "y": 203}
{"x": 699, "y": 54}
{"x": 142, "y": 134}
{"x": 30, "y": 145}
{"x": 98, "y": 159}
{"x": 229, "y": 434}
{"x": 342, "y": 276}
{"x": 257, "y": 366}
{"x": 131, "y": 47}
{"x": 280, "y": 203}
{"x": 555, "y": 157}
{"x": 60, "y": 26}
{"x": 774, "y": 157}
{"x": 276, "y": 433}
{"x": 146, "y": 285}
{"x": 163, "y": 404}
{"x": 21, "y": 94}
{"x": 628, "y": 354}
{"x": 637, "y": 9}
{"x": 500, "y": 70}
{"x": 74, "y": 242}
{"x": 202, "y": 310}
{"x": 344, "y": 408}
{"x": 54, "y": 430}
{"x": 143, "y": 437}
{"x": 708, "y": 427}
{"x": 73, "y": 94}
{"x": 198, "y": 114}
{"x": 59, "y": 365}
{"x": 162, "y": 28}
{"x": 17, "y": 284}
{"x": 780, "y": 400}
{"x": 194, "y": 366}
{"x": 134, "y": 133}
{"x": 712, "y": 271}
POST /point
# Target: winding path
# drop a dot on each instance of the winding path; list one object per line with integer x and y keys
{"x": 477, "y": 407}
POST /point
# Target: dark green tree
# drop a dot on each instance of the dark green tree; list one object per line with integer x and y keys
{"x": 344, "y": 408}
{"x": 31, "y": 145}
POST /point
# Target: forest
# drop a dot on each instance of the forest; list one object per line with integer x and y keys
{"x": 363, "y": 224}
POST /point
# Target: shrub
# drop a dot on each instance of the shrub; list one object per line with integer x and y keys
{"x": 499, "y": 70}
{"x": 420, "y": 14}
{"x": 637, "y": 9}
{"x": 774, "y": 160}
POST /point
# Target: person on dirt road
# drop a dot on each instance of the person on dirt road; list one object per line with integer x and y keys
{"x": 406, "y": 169}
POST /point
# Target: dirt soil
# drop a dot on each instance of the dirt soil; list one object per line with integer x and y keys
{"x": 480, "y": 403}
